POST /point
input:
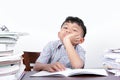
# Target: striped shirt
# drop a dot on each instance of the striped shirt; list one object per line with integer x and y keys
{"x": 55, "y": 51}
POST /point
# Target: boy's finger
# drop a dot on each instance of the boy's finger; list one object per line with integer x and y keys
{"x": 60, "y": 66}
{"x": 51, "y": 70}
{"x": 56, "y": 68}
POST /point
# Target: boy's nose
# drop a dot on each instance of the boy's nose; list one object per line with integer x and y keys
{"x": 68, "y": 31}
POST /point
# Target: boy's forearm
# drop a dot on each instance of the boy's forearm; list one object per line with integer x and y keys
{"x": 39, "y": 66}
{"x": 76, "y": 61}
{"x": 49, "y": 67}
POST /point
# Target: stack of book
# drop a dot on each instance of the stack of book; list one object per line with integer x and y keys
{"x": 9, "y": 39}
{"x": 11, "y": 66}
{"x": 112, "y": 60}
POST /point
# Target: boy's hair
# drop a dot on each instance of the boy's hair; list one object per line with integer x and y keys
{"x": 77, "y": 21}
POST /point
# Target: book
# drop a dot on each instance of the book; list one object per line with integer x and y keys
{"x": 6, "y": 53}
{"x": 112, "y": 56}
{"x": 20, "y": 74}
{"x": 7, "y": 40}
{"x": 12, "y": 34}
{"x": 10, "y": 62}
{"x": 7, "y": 70}
{"x": 11, "y": 57}
{"x": 10, "y": 37}
{"x": 72, "y": 72}
{"x": 8, "y": 77}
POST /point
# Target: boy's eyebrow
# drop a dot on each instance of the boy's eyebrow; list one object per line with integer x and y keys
{"x": 65, "y": 24}
{"x": 76, "y": 27}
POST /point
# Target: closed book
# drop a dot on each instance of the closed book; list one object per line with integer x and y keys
{"x": 7, "y": 40}
{"x": 9, "y": 62}
{"x": 6, "y": 53}
{"x": 7, "y": 70}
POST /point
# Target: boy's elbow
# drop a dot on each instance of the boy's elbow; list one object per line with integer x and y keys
{"x": 78, "y": 66}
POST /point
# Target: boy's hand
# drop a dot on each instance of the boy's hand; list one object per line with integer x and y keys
{"x": 74, "y": 38}
{"x": 54, "y": 67}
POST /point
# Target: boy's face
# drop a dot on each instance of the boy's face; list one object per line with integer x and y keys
{"x": 69, "y": 28}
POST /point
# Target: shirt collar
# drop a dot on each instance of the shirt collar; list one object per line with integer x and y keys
{"x": 59, "y": 44}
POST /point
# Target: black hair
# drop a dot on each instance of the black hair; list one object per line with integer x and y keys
{"x": 77, "y": 21}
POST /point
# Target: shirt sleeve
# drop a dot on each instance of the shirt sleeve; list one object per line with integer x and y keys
{"x": 81, "y": 52}
{"x": 45, "y": 54}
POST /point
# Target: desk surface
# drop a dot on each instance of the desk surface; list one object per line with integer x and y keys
{"x": 81, "y": 77}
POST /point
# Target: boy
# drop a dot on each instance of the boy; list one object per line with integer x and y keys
{"x": 66, "y": 52}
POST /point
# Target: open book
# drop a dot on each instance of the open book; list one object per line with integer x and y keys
{"x": 73, "y": 72}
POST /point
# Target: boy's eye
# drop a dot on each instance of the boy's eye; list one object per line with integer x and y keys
{"x": 64, "y": 27}
{"x": 75, "y": 30}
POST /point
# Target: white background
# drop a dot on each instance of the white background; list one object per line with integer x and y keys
{"x": 42, "y": 20}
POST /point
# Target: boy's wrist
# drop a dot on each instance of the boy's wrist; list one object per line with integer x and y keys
{"x": 66, "y": 41}
{"x": 46, "y": 67}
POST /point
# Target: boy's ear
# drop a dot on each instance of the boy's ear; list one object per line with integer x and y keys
{"x": 81, "y": 40}
{"x": 59, "y": 34}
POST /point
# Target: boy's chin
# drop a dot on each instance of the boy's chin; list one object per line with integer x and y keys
{"x": 74, "y": 44}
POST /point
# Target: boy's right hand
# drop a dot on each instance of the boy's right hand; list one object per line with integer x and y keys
{"x": 54, "y": 67}
{"x": 74, "y": 38}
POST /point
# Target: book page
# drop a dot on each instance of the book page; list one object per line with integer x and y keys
{"x": 72, "y": 72}
{"x": 101, "y": 72}
{"x": 42, "y": 73}
{"x": 60, "y": 73}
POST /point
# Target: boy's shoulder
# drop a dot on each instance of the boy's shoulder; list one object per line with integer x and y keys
{"x": 55, "y": 43}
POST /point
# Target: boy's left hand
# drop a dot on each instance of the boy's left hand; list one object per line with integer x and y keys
{"x": 54, "y": 67}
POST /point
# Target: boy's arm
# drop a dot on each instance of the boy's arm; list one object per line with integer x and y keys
{"x": 49, "y": 67}
{"x": 42, "y": 61}
{"x": 39, "y": 66}
{"x": 75, "y": 60}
